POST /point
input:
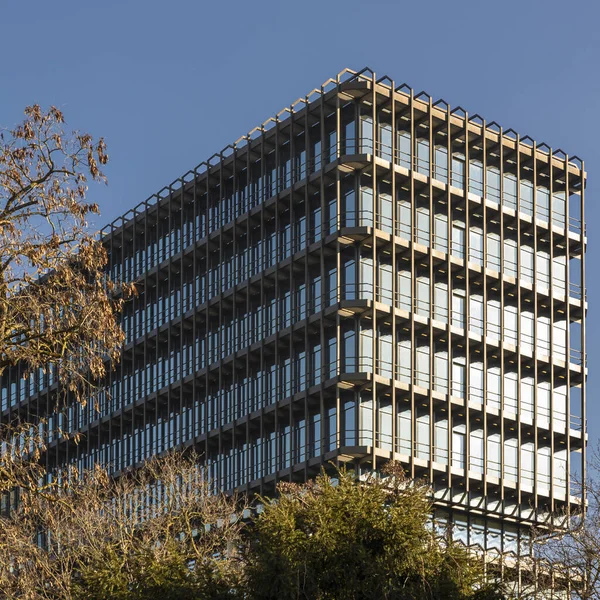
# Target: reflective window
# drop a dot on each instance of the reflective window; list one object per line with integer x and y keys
{"x": 458, "y": 308}
{"x": 459, "y": 446}
{"x": 509, "y": 194}
{"x": 422, "y": 156}
{"x": 404, "y": 431}
{"x": 542, "y": 200}
{"x": 526, "y": 197}
{"x": 510, "y": 257}
{"x": 441, "y": 164}
{"x": 476, "y": 452}
{"x": 493, "y": 252}
{"x": 493, "y": 184}
{"x": 423, "y": 443}
{"x": 440, "y": 235}
{"x": 476, "y": 177}
{"x": 458, "y": 171}
{"x": 559, "y": 209}
{"x": 404, "y": 149}
{"x": 476, "y": 245}
{"x": 440, "y": 449}
{"x": 458, "y": 239}
{"x": 385, "y": 141}
{"x": 403, "y": 225}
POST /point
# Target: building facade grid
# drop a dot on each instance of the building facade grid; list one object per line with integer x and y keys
{"x": 369, "y": 275}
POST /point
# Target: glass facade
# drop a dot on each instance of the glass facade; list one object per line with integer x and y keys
{"x": 372, "y": 277}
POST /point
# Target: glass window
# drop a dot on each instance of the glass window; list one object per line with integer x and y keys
{"x": 385, "y": 424}
{"x": 332, "y": 285}
{"x": 558, "y": 209}
{"x": 543, "y": 269}
{"x": 527, "y": 331}
{"x": 476, "y": 451}
{"x": 403, "y": 225}
{"x": 544, "y": 467}
{"x": 476, "y": 314}
{"x": 510, "y": 324}
{"x": 493, "y": 387}
{"x": 527, "y": 464}
{"x": 510, "y": 257}
{"x": 385, "y": 220}
{"x": 509, "y": 196}
{"x": 542, "y": 210}
{"x": 423, "y": 156}
{"x": 526, "y": 401}
{"x": 405, "y": 431}
{"x": 366, "y": 135}
{"x": 459, "y": 374}
{"x": 349, "y": 215}
{"x": 476, "y": 382}
{"x": 493, "y": 184}
{"x": 493, "y": 252}
{"x": 511, "y": 387}
{"x": 458, "y": 308}
{"x": 493, "y": 455}
{"x": 440, "y": 234}
{"x": 386, "y": 282}
{"x": 422, "y": 374}
{"x": 476, "y": 245}
{"x": 440, "y": 372}
{"x": 365, "y": 214}
{"x": 349, "y": 287}
{"x": 422, "y": 232}
{"x": 511, "y": 460}
{"x": 459, "y": 446}
{"x": 404, "y": 361}
{"x": 440, "y": 449}
{"x": 493, "y": 319}
{"x": 385, "y": 141}
{"x": 560, "y": 471}
{"x": 458, "y": 171}
{"x": 458, "y": 239}
{"x": 315, "y": 223}
{"x": 441, "y": 164}
{"x": 422, "y": 296}
{"x": 559, "y": 335}
{"x": 559, "y": 275}
{"x": 559, "y": 406}
{"x": 349, "y": 133}
{"x": 366, "y": 420}
{"x": 527, "y": 268}
{"x": 365, "y": 287}
{"x": 543, "y": 403}
{"x": 476, "y": 177}
{"x": 440, "y": 301}
{"x": 385, "y": 363}
{"x": 404, "y": 289}
{"x": 366, "y": 350}
{"x": 526, "y": 193}
{"x": 349, "y": 350}
{"x": 404, "y": 149}
{"x": 423, "y": 438}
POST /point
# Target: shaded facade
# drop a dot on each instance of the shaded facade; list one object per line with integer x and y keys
{"x": 369, "y": 275}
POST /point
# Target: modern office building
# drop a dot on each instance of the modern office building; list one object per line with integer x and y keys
{"x": 370, "y": 275}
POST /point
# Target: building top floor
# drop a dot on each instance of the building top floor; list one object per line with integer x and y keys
{"x": 336, "y": 121}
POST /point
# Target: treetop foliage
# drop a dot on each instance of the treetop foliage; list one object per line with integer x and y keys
{"x": 57, "y": 306}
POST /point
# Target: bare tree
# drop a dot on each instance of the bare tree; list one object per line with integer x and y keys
{"x": 156, "y": 532}
{"x": 57, "y": 305}
{"x": 568, "y": 549}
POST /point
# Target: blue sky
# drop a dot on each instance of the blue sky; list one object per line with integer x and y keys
{"x": 169, "y": 83}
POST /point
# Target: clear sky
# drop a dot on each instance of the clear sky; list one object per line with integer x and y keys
{"x": 170, "y": 83}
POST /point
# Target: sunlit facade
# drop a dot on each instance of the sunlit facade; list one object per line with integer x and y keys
{"x": 370, "y": 275}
